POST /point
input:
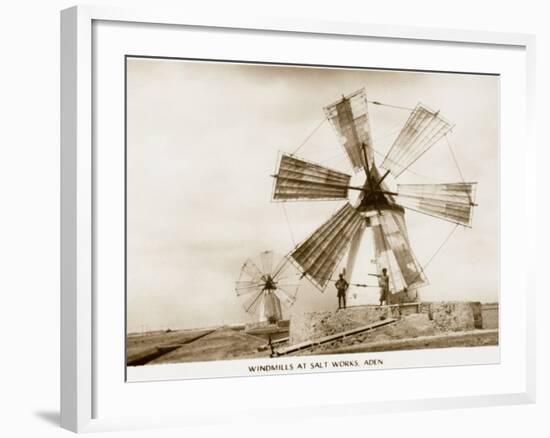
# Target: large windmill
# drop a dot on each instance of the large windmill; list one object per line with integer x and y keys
{"x": 267, "y": 286}
{"x": 376, "y": 206}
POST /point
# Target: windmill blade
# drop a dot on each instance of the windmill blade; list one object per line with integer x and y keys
{"x": 298, "y": 179}
{"x": 266, "y": 259}
{"x": 393, "y": 251}
{"x": 423, "y": 129}
{"x": 282, "y": 268}
{"x": 252, "y": 304}
{"x": 286, "y": 297}
{"x": 286, "y": 272}
{"x": 452, "y": 202}
{"x": 319, "y": 254}
{"x": 350, "y": 118}
{"x": 250, "y": 271}
{"x": 248, "y": 287}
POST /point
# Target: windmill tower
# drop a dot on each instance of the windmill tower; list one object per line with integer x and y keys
{"x": 376, "y": 208}
{"x": 267, "y": 287}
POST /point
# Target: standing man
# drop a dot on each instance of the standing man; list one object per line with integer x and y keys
{"x": 342, "y": 288}
{"x": 384, "y": 283}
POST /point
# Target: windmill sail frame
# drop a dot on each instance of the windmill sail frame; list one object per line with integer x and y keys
{"x": 350, "y": 118}
{"x": 298, "y": 179}
{"x": 393, "y": 251}
{"x": 319, "y": 255}
{"x": 421, "y": 131}
{"x": 452, "y": 202}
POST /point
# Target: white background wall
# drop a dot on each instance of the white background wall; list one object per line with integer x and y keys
{"x": 29, "y": 215}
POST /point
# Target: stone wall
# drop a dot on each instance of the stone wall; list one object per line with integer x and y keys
{"x": 443, "y": 316}
{"x": 489, "y": 313}
{"x": 313, "y": 325}
{"x": 454, "y": 315}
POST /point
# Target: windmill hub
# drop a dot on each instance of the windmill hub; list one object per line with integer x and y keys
{"x": 270, "y": 284}
{"x": 375, "y": 195}
{"x": 375, "y": 200}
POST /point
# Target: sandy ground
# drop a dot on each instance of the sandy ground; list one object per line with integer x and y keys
{"x": 139, "y": 345}
{"x": 220, "y": 344}
{"x": 414, "y": 331}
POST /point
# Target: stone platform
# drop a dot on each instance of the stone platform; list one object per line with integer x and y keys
{"x": 313, "y": 325}
{"x": 443, "y": 316}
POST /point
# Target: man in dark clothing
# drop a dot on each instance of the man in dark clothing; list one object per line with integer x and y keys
{"x": 342, "y": 287}
{"x": 384, "y": 283}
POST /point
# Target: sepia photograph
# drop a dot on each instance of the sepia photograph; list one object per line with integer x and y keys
{"x": 280, "y": 211}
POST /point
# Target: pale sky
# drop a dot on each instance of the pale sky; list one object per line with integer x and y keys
{"x": 203, "y": 140}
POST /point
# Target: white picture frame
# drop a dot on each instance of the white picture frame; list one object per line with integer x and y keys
{"x": 79, "y": 169}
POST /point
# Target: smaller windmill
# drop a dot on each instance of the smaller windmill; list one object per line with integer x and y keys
{"x": 267, "y": 287}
